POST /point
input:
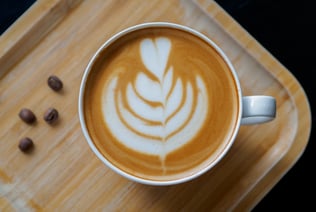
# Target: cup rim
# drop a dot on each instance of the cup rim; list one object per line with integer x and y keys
{"x": 82, "y": 91}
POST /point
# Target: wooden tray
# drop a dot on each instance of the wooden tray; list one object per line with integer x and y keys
{"x": 59, "y": 37}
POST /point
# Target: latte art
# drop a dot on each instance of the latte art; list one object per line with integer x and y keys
{"x": 160, "y": 103}
{"x": 157, "y": 111}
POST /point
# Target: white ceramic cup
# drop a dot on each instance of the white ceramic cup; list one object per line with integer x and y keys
{"x": 254, "y": 109}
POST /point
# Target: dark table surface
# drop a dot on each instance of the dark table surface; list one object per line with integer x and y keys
{"x": 286, "y": 28}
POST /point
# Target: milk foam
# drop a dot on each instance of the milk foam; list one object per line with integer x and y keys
{"x": 159, "y": 111}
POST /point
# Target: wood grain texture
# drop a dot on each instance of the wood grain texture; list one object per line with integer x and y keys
{"x": 63, "y": 174}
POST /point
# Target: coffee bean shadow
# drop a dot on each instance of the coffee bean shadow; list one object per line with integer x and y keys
{"x": 62, "y": 92}
{"x": 34, "y": 124}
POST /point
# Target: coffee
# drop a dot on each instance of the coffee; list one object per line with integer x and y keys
{"x": 160, "y": 103}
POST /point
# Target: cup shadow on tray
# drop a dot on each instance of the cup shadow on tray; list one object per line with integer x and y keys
{"x": 244, "y": 165}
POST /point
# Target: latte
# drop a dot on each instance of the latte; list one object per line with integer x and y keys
{"x": 160, "y": 103}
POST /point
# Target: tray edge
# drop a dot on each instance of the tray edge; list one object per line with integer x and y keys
{"x": 289, "y": 82}
{"x": 28, "y": 24}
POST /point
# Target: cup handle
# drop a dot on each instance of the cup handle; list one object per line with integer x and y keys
{"x": 258, "y": 109}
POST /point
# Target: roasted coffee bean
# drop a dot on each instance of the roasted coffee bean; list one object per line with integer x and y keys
{"x": 54, "y": 83}
{"x": 27, "y": 115}
{"x": 51, "y": 115}
{"x": 26, "y": 144}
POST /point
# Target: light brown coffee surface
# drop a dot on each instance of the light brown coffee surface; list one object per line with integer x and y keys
{"x": 160, "y": 103}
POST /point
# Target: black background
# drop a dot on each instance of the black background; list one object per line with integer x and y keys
{"x": 286, "y": 28}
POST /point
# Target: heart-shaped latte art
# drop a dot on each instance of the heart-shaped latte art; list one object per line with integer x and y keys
{"x": 158, "y": 112}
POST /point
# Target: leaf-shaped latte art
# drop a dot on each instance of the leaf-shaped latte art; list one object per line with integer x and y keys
{"x": 156, "y": 115}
